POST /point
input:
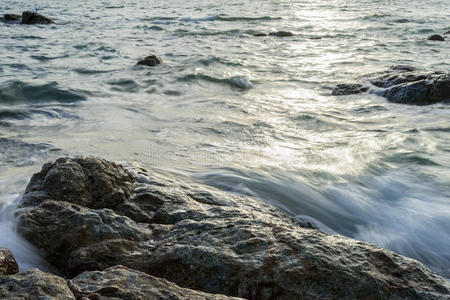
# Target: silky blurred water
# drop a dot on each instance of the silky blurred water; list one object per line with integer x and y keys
{"x": 253, "y": 115}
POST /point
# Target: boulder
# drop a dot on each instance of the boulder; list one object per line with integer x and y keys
{"x": 31, "y": 18}
{"x": 11, "y": 17}
{"x": 281, "y": 34}
{"x": 34, "y": 284}
{"x": 8, "y": 264}
{"x": 123, "y": 283}
{"x": 435, "y": 37}
{"x": 150, "y": 61}
{"x": 404, "y": 84}
{"x": 203, "y": 239}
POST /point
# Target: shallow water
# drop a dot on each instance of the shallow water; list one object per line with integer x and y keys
{"x": 245, "y": 114}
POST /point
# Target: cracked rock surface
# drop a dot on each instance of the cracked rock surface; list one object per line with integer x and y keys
{"x": 89, "y": 214}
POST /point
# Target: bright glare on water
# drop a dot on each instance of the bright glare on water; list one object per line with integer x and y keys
{"x": 253, "y": 115}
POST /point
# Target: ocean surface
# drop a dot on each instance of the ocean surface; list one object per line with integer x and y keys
{"x": 251, "y": 115}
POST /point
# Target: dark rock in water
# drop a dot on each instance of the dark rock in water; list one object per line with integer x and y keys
{"x": 34, "y": 284}
{"x": 448, "y": 32}
{"x": 281, "y": 34}
{"x": 260, "y": 34}
{"x": 122, "y": 283}
{"x": 349, "y": 89}
{"x": 200, "y": 238}
{"x": 150, "y": 61}
{"x": 404, "y": 84}
{"x": 31, "y": 18}
{"x": 8, "y": 264}
{"x": 11, "y": 17}
{"x": 435, "y": 37}
{"x": 412, "y": 86}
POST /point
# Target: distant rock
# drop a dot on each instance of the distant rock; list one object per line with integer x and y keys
{"x": 8, "y": 264}
{"x": 11, "y": 17}
{"x": 88, "y": 214}
{"x": 31, "y": 18}
{"x": 404, "y": 84}
{"x": 448, "y": 32}
{"x": 281, "y": 34}
{"x": 34, "y": 284}
{"x": 123, "y": 283}
{"x": 435, "y": 37}
{"x": 260, "y": 34}
{"x": 349, "y": 89}
{"x": 150, "y": 61}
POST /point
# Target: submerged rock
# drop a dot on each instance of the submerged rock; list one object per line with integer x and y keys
{"x": 281, "y": 34}
{"x": 123, "y": 283}
{"x": 448, "y": 32}
{"x": 435, "y": 37}
{"x": 31, "y": 18}
{"x": 404, "y": 84}
{"x": 349, "y": 89}
{"x": 8, "y": 264}
{"x": 34, "y": 284}
{"x": 200, "y": 238}
{"x": 11, "y": 17}
{"x": 150, "y": 61}
{"x": 260, "y": 34}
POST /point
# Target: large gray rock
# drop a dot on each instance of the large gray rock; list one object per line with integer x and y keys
{"x": 405, "y": 85}
{"x": 123, "y": 283}
{"x": 8, "y": 264}
{"x": 34, "y": 284}
{"x": 204, "y": 239}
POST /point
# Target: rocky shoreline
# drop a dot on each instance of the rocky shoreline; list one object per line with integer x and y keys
{"x": 128, "y": 233}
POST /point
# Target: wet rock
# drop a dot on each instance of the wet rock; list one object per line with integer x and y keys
{"x": 34, "y": 284}
{"x": 281, "y": 34}
{"x": 448, "y": 32}
{"x": 204, "y": 239}
{"x": 404, "y": 84}
{"x": 8, "y": 264}
{"x": 31, "y": 18}
{"x": 260, "y": 34}
{"x": 11, "y": 17}
{"x": 349, "y": 89}
{"x": 150, "y": 61}
{"x": 435, "y": 37}
{"x": 123, "y": 283}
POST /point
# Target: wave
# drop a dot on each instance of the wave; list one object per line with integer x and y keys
{"x": 184, "y": 32}
{"x": 234, "y": 82}
{"x": 19, "y": 153}
{"x": 229, "y": 19}
{"x": 17, "y": 92}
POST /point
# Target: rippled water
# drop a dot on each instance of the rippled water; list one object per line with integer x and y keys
{"x": 253, "y": 115}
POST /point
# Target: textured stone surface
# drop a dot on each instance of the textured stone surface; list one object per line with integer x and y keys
{"x": 150, "y": 61}
{"x": 8, "y": 264}
{"x": 31, "y": 18}
{"x": 34, "y": 284}
{"x": 405, "y": 85}
{"x": 123, "y": 283}
{"x": 204, "y": 239}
